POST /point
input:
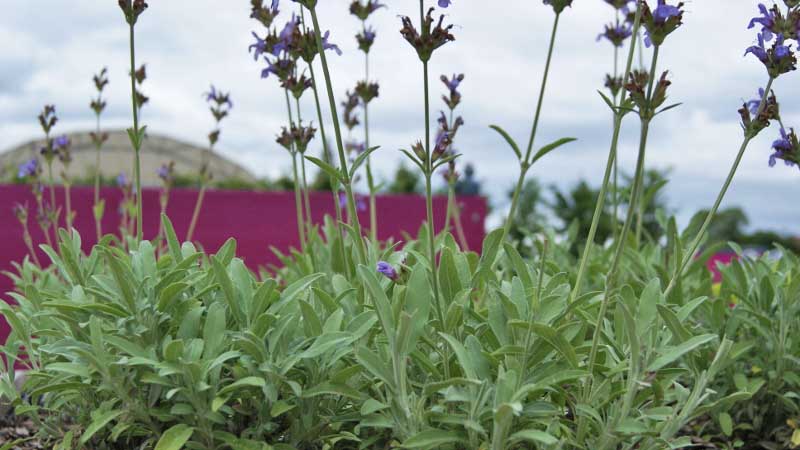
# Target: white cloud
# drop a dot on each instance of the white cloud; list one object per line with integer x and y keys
{"x": 56, "y": 48}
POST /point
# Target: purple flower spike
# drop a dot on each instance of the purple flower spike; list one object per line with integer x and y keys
{"x": 387, "y": 270}
{"x": 444, "y": 3}
{"x": 122, "y": 180}
{"x": 767, "y": 21}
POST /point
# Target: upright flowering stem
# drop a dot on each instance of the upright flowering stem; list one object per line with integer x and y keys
{"x": 640, "y": 206}
{"x": 689, "y": 255}
{"x": 98, "y": 216}
{"x": 137, "y": 145}
{"x": 306, "y": 199}
{"x": 346, "y": 179}
{"x": 525, "y": 164}
{"x": 298, "y": 196}
{"x": 612, "y": 156}
{"x": 373, "y": 213}
{"x": 325, "y": 149}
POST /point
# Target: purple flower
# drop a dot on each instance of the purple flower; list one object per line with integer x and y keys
{"x": 453, "y": 83}
{"x": 664, "y": 12}
{"x": 361, "y": 203}
{"x": 260, "y": 47}
{"x": 387, "y": 270}
{"x": 767, "y": 21}
{"x": 753, "y": 104}
{"x": 329, "y": 46}
{"x": 786, "y": 148}
{"x": 61, "y": 142}
{"x": 616, "y": 34}
{"x": 122, "y": 180}
{"x": 29, "y": 168}
{"x": 445, "y": 3}
{"x": 778, "y": 59}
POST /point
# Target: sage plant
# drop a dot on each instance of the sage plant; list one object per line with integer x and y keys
{"x": 367, "y": 91}
{"x": 778, "y": 59}
{"x": 220, "y": 105}
{"x": 132, "y": 9}
{"x": 98, "y": 105}
{"x": 528, "y": 159}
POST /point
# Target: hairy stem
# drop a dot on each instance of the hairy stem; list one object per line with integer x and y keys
{"x": 137, "y": 169}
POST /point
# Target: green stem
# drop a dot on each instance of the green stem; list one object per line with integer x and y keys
{"x": 688, "y": 256}
{"x": 98, "y": 219}
{"x": 429, "y": 202}
{"x": 325, "y": 149}
{"x": 526, "y": 162}
{"x": 346, "y": 181}
{"x": 196, "y": 213}
{"x": 298, "y": 196}
{"x": 641, "y": 206}
{"x": 612, "y": 157}
{"x": 136, "y": 159}
{"x": 373, "y": 212}
{"x": 306, "y": 199}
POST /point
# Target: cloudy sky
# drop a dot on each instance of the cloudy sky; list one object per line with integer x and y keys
{"x": 51, "y": 48}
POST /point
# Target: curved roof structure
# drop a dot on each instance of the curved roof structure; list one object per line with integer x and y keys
{"x": 117, "y": 157}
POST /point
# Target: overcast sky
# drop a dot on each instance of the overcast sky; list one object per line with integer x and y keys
{"x": 51, "y": 48}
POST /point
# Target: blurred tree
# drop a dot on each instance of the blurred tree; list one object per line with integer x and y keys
{"x": 577, "y": 206}
{"x": 405, "y": 181}
{"x": 467, "y": 184}
{"x": 529, "y": 218}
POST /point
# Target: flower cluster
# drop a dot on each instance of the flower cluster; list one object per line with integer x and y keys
{"x": 660, "y": 22}
{"x": 140, "y": 75}
{"x": 365, "y": 39}
{"x": 264, "y": 14}
{"x": 778, "y": 59}
{"x": 166, "y": 173}
{"x": 132, "y": 9}
{"x": 296, "y": 138}
{"x": 47, "y": 118}
{"x": 787, "y": 148}
{"x": 619, "y": 4}
{"x": 636, "y": 87}
{"x": 756, "y": 117}
{"x": 773, "y": 22}
{"x": 448, "y": 127}
{"x": 282, "y": 50}
{"x": 366, "y": 91}
{"x": 558, "y": 5}
{"x": 365, "y": 9}
{"x": 30, "y": 170}
{"x": 616, "y": 33}
{"x": 430, "y": 38}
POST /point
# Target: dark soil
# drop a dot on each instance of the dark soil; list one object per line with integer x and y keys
{"x": 13, "y": 429}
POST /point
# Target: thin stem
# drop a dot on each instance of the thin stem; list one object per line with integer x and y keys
{"x": 615, "y": 189}
{"x": 326, "y": 151}
{"x": 68, "y": 203}
{"x": 612, "y": 157}
{"x": 196, "y": 213}
{"x": 641, "y": 206}
{"x": 533, "y": 310}
{"x": 351, "y": 204}
{"x": 688, "y": 256}
{"x": 306, "y": 200}
{"x": 298, "y": 196}
{"x": 298, "y": 203}
{"x": 98, "y": 219}
{"x": 429, "y": 201}
{"x": 373, "y": 213}
{"x": 526, "y": 162}
{"x": 136, "y": 160}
